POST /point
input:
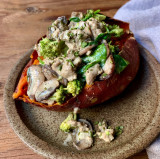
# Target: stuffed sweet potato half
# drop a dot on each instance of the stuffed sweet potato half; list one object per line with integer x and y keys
{"x": 81, "y": 62}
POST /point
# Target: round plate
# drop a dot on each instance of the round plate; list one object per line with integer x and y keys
{"x": 137, "y": 109}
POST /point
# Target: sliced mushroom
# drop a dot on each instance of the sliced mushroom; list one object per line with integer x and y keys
{"x": 61, "y": 23}
{"x": 48, "y": 101}
{"x": 83, "y": 143}
{"x": 46, "y": 89}
{"x": 95, "y": 27}
{"x": 62, "y": 80}
{"x": 35, "y": 77}
{"x": 67, "y": 71}
{"x": 54, "y": 73}
{"x": 58, "y": 26}
{"x": 47, "y": 73}
{"x": 86, "y": 49}
{"x": 87, "y": 123}
{"x": 92, "y": 73}
{"x": 84, "y": 137}
{"x": 63, "y": 20}
{"x": 108, "y": 68}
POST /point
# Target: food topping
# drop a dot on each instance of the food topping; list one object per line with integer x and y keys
{"x": 92, "y": 73}
{"x": 74, "y": 53}
{"x": 82, "y": 128}
{"x": 69, "y": 123}
{"x": 109, "y": 65}
{"x": 84, "y": 138}
{"x": 35, "y": 77}
{"x": 46, "y": 89}
{"x": 105, "y": 133}
{"x": 82, "y": 134}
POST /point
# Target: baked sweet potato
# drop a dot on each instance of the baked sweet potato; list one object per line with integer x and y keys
{"x": 101, "y": 90}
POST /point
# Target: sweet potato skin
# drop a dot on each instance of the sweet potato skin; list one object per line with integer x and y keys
{"x": 101, "y": 91}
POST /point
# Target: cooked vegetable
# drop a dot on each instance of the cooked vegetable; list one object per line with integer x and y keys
{"x": 50, "y": 48}
{"x": 40, "y": 61}
{"x": 84, "y": 137}
{"x": 75, "y": 19}
{"x": 74, "y": 87}
{"x": 34, "y": 78}
{"x": 91, "y": 48}
{"x": 105, "y": 133}
{"x": 115, "y": 30}
{"x": 46, "y": 89}
{"x": 100, "y": 37}
{"x": 65, "y": 125}
{"x": 70, "y": 61}
{"x": 98, "y": 56}
{"x": 94, "y": 14}
{"x": 83, "y": 70}
{"x": 113, "y": 48}
{"x": 109, "y": 66}
{"x": 59, "y": 95}
{"x": 84, "y": 44}
{"x": 120, "y": 62}
{"x": 118, "y": 130}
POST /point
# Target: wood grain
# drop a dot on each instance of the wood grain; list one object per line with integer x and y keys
{"x": 21, "y": 24}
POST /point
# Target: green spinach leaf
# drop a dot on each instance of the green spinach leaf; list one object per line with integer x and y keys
{"x": 120, "y": 63}
{"x": 99, "y": 55}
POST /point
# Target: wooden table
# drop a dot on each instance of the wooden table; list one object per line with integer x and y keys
{"x": 22, "y": 22}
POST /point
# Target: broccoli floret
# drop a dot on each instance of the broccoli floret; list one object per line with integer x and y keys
{"x": 74, "y": 87}
{"x": 113, "y": 48}
{"x": 50, "y": 48}
{"x": 59, "y": 95}
{"x": 65, "y": 126}
{"x": 115, "y": 30}
{"x": 94, "y": 14}
{"x": 99, "y": 17}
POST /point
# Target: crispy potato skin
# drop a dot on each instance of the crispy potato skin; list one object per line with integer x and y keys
{"x": 101, "y": 91}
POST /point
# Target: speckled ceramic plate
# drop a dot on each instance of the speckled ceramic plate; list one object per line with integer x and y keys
{"x": 137, "y": 109}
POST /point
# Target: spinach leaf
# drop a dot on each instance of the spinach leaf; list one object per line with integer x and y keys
{"x": 105, "y": 36}
{"x": 120, "y": 63}
{"x": 83, "y": 69}
{"x": 75, "y": 19}
{"x": 99, "y": 55}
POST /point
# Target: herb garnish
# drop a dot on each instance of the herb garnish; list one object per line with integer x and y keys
{"x": 76, "y": 53}
{"x": 70, "y": 61}
{"x": 118, "y": 130}
{"x": 70, "y": 35}
{"x": 84, "y": 44}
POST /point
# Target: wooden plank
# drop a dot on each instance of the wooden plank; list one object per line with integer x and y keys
{"x": 22, "y": 23}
